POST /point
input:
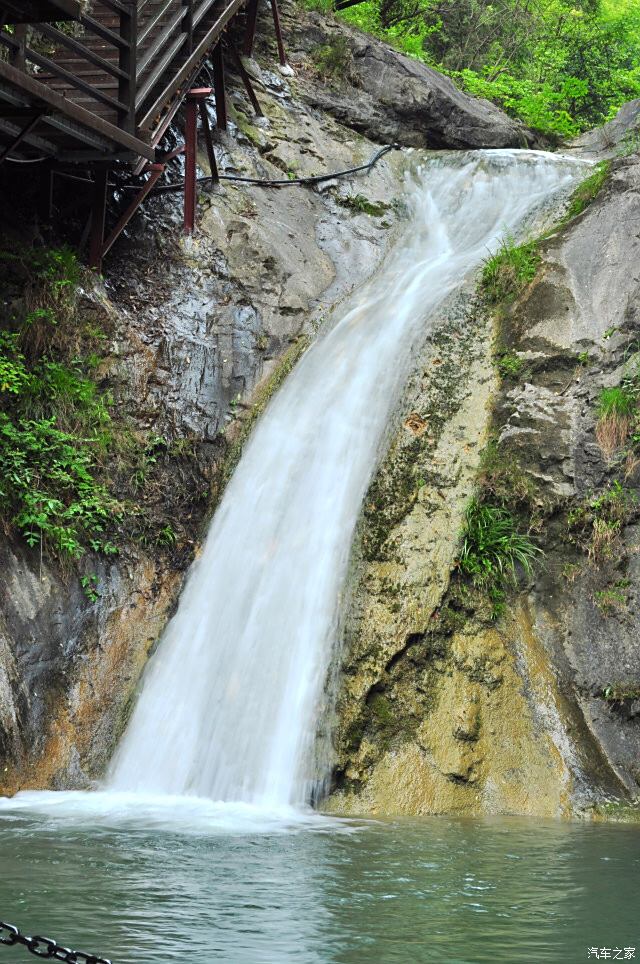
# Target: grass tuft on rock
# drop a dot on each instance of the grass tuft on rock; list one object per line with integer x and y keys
{"x": 587, "y": 190}
{"x": 617, "y": 408}
{"x": 596, "y": 523}
{"x": 507, "y": 272}
{"x": 494, "y": 551}
{"x": 333, "y": 60}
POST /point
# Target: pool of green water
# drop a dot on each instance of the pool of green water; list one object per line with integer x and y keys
{"x": 394, "y": 892}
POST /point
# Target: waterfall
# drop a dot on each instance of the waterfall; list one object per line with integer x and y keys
{"x": 229, "y": 703}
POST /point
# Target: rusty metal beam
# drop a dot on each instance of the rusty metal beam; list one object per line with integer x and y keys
{"x": 250, "y": 29}
{"x": 190, "y": 149}
{"x": 170, "y": 156}
{"x": 157, "y": 170}
{"x": 276, "y": 23}
{"x": 246, "y": 80}
{"x": 206, "y": 130}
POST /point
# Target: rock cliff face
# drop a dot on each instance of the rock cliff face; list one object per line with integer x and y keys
{"x": 443, "y": 708}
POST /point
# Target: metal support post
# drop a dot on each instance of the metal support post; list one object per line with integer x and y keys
{"x": 98, "y": 216}
{"x": 190, "y": 147}
{"x": 276, "y": 22}
{"x": 128, "y": 64}
{"x": 219, "y": 88}
{"x": 250, "y": 29}
{"x": 206, "y": 130}
{"x": 246, "y": 80}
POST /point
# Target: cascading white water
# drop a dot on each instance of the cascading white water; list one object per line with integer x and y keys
{"x": 229, "y": 704}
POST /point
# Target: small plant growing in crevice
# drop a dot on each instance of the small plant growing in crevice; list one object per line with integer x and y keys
{"x": 596, "y": 523}
{"x": 616, "y": 409}
{"x": 612, "y": 599}
{"x": 167, "y": 536}
{"x": 501, "y": 475}
{"x": 509, "y": 364}
{"x": 621, "y": 693}
{"x": 587, "y": 191}
{"x": 507, "y": 272}
{"x": 362, "y": 205}
{"x": 494, "y": 550}
{"x": 630, "y": 144}
{"x": 89, "y": 585}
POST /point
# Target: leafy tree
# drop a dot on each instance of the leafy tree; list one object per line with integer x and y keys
{"x": 561, "y": 66}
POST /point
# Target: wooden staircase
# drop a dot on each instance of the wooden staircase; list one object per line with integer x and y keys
{"x": 119, "y": 70}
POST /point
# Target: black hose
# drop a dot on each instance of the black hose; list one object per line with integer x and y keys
{"x": 284, "y": 182}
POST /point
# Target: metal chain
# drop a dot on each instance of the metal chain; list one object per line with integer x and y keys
{"x": 46, "y": 947}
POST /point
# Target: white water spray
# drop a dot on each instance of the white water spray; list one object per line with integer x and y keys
{"x": 230, "y": 700}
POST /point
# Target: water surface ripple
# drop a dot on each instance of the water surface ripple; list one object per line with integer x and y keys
{"x": 443, "y": 890}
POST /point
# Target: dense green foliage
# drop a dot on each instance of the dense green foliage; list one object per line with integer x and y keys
{"x": 562, "y": 66}
{"x": 53, "y": 419}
